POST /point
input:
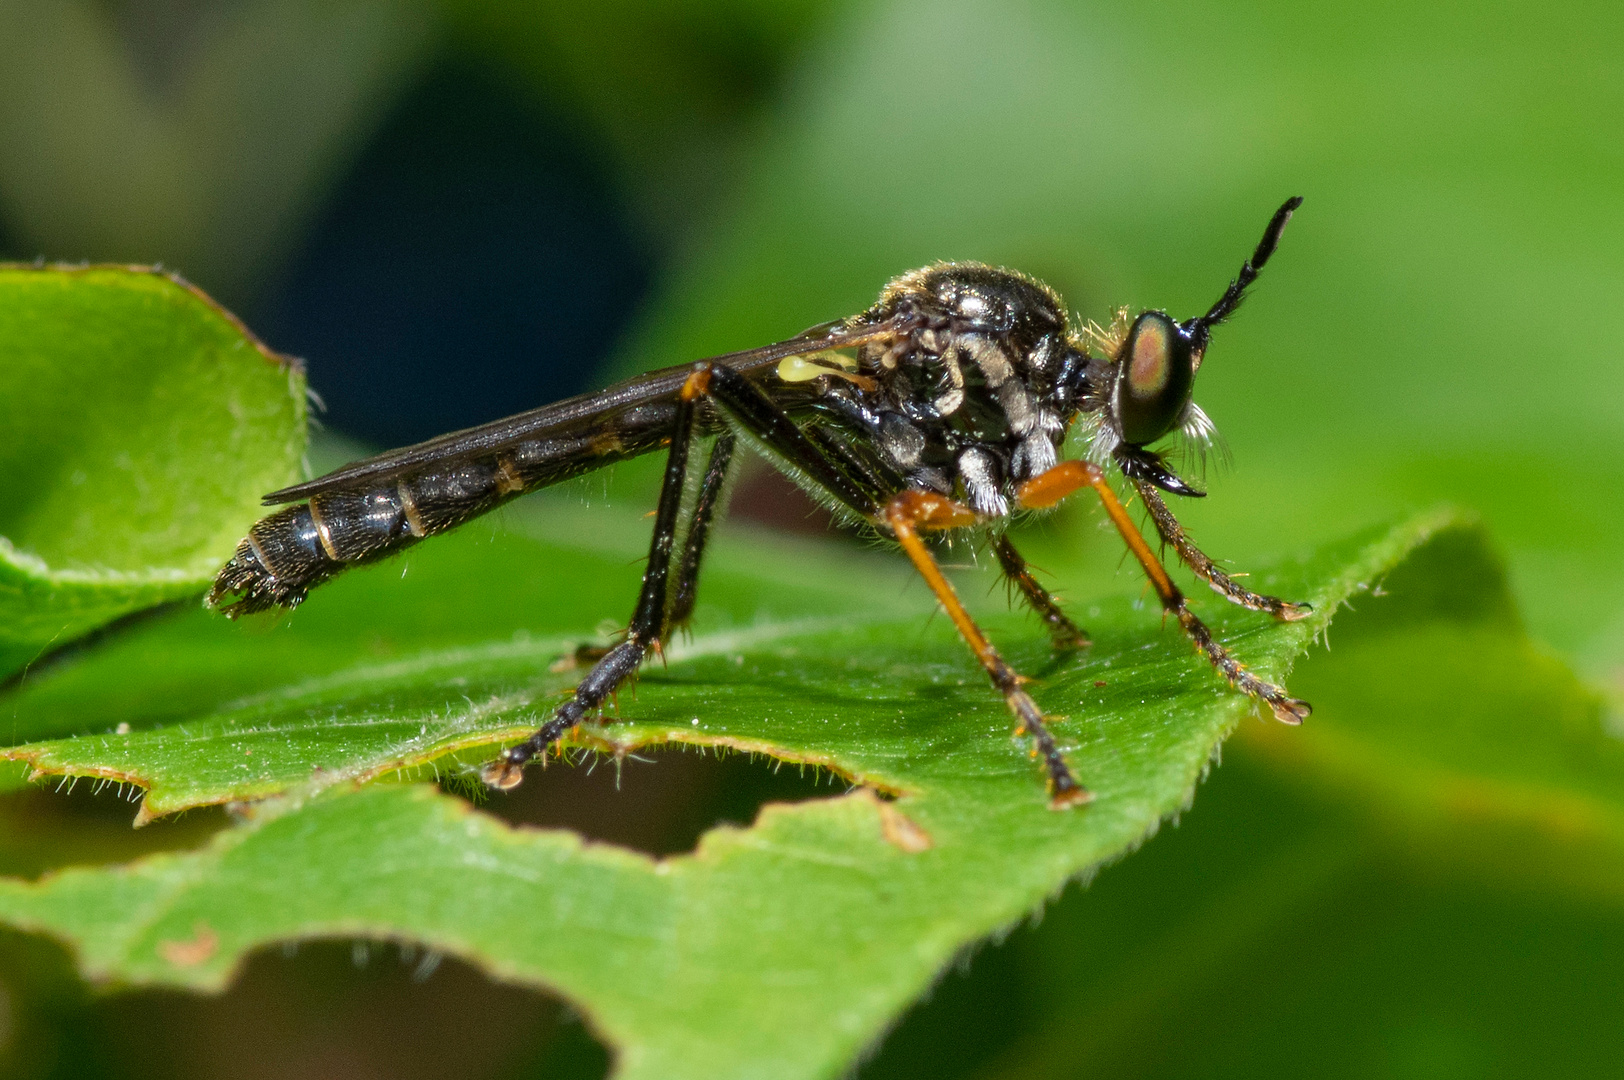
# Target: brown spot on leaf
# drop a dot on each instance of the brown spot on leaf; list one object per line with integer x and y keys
{"x": 902, "y": 831}
{"x": 194, "y": 952}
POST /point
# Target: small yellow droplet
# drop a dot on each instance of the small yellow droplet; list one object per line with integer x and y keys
{"x": 806, "y": 368}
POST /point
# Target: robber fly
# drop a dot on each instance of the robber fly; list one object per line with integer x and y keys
{"x": 942, "y": 407}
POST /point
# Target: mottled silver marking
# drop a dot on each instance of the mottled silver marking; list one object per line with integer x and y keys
{"x": 1016, "y": 401}
{"x": 972, "y": 305}
{"x": 949, "y": 400}
{"x": 904, "y": 443}
{"x": 1050, "y": 423}
{"x": 979, "y": 473}
{"x": 381, "y": 511}
{"x": 1043, "y": 358}
{"x": 993, "y": 361}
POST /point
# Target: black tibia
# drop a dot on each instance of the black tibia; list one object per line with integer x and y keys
{"x": 1062, "y": 631}
{"x": 685, "y": 589}
{"x": 1173, "y": 533}
{"x": 648, "y": 620}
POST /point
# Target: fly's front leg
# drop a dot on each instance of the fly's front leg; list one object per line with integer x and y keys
{"x": 1062, "y": 631}
{"x": 647, "y": 628}
{"x": 906, "y": 515}
{"x": 1204, "y": 568}
{"x": 1068, "y": 476}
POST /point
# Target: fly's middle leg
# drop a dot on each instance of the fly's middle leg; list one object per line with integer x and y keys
{"x": 648, "y": 625}
{"x": 1063, "y": 633}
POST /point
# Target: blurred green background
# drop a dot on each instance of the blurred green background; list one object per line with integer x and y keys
{"x": 455, "y": 211}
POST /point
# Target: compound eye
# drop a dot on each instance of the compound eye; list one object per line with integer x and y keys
{"x": 1155, "y": 372}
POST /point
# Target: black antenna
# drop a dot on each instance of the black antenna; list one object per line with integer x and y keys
{"x": 1227, "y": 303}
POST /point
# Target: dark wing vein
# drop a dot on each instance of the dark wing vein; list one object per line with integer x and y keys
{"x": 656, "y": 386}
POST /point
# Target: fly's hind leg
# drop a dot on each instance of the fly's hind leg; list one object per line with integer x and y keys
{"x": 1069, "y": 476}
{"x": 1063, "y": 633}
{"x": 648, "y": 625}
{"x": 684, "y": 590}
{"x": 906, "y": 515}
{"x": 658, "y": 604}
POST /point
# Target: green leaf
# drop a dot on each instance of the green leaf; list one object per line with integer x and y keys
{"x": 380, "y": 675}
{"x": 1281, "y": 932}
{"x": 139, "y": 423}
{"x": 781, "y": 949}
{"x": 1458, "y": 736}
{"x": 1438, "y": 845}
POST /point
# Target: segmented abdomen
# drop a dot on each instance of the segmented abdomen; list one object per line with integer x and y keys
{"x": 290, "y": 552}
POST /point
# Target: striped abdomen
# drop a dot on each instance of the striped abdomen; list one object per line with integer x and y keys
{"x": 290, "y": 552}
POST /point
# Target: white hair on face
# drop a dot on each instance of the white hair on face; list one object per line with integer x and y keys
{"x": 1097, "y": 436}
{"x": 1200, "y": 441}
{"x": 1196, "y": 426}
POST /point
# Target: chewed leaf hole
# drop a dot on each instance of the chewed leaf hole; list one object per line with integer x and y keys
{"x": 88, "y": 821}
{"x": 315, "y": 1009}
{"x": 659, "y": 799}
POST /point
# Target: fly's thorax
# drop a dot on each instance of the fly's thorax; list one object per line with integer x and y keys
{"x": 976, "y": 394}
{"x": 973, "y": 296}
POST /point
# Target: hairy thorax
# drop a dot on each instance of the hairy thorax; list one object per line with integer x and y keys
{"x": 973, "y": 397}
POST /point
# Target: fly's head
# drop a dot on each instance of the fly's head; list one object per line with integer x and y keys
{"x": 1141, "y": 389}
